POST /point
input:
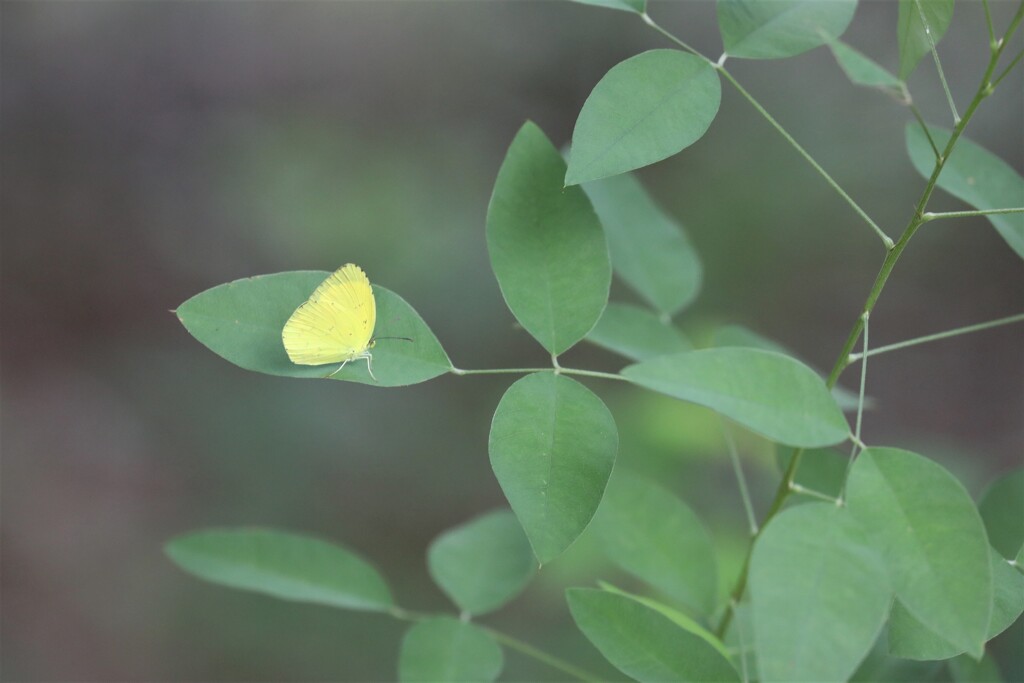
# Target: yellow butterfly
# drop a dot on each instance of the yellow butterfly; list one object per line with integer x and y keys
{"x": 336, "y": 324}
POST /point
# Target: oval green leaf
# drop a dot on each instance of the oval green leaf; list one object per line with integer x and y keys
{"x": 976, "y": 176}
{"x": 446, "y": 650}
{"x": 932, "y": 538}
{"x": 771, "y": 29}
{"x": 674, "y": 615}
{"x": 860, "y": 69}
{"x": 769, "y": 393}
{"x": 911, "y": 30}
{"x": 819, "y": 594}
{"x": 484, "y": 563}
{"x": 910, "y": 639}
{"x": 1002, "y": 511}
{"x": 283, "y": 565}
{"x": 645, "y": 109}
{"x": 546, "y": 244}
{"x": 552, "y": 445}
{"x": 649, "y": 249}
{"x": 737, "y": 335}
{"x": 643, "y": 643}
{"x": 636, "y": 333}
{"x": 655, "y": 536}
{"x": 241, "y": 321}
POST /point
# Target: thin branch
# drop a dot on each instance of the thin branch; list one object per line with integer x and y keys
{"x": 738, "y": 469}
{"x": 939, "y": 335}
{"x": 988, "y": 22}
{"x": 1009, "y": 67}
{"x": 938, "y": 64}
{"x": 924, "y": 126}
{"x": 527, "y": 371}
{"x": 886, "y": 240}
{"x": 928, "y": 216}
{"x": 540, "y": 655}
{"x": 797, "y": 488}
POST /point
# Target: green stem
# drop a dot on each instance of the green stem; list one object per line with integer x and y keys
{"x": 988, "y": 22}
{"x": 938, "y": 64}
{"x": 541, "y": 656}
{"x": 527, "y": 371}
{"x": 886, "y": 240}
{"x": 843, "y": 360}
{"x": 928, "y": 216}
{"x": 508, "y": 641}
{"x": 738, "y": 469}
{"x": 1009, "y": 67}
{"x": 924, "y": 127}
{"x": 938, "y": 335}
{"x": 797, "y": 488}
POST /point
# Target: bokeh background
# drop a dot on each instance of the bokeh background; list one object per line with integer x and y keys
{"x": 153, "y": 150}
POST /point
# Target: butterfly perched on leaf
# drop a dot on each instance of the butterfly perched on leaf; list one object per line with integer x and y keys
{"x": 335, "y": 325}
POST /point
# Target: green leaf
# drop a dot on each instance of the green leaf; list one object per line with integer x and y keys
{"x": 674, "y": 615}
{"x": 242, "y": 321}
{"x": 910, "y": 639}
{"x": 643, "y": 643}
{"x": 547, "y": 247}
{"x": 446, "y": 650}
{"x": 283, "y": 565}
{"x": 737, "y": 335}
{"x": 819, "y": 594}
{"x": 976, "y": 176}
{"x": 932, "y": 538}
{"x": 649, "y": 249}
{"x": 963, "y": 669}
{"x": 766, "y": 392}
{"x": 652, "y": 534}
{"x": 484, "y": 563}
{"x": 770, "y": 29}
{"x": 645, "y": 109}
{"x": 860, "y": 69}
{"x": 553, "y": 444}
{"x": 910, "y": 30}
{"x": 1002, "y": 510}
{"x": 636, "y": 333}
{"x": 638, "y": 6}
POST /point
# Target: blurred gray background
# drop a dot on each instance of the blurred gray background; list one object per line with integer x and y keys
{"x": 153, "y": 150}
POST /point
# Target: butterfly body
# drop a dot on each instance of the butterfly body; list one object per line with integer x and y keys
{"x": 335, "y": 325}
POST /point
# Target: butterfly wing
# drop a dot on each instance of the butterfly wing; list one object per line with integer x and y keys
{"x": 336, "y": 323}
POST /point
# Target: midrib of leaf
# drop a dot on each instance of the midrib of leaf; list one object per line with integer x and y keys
{"x": 766, "y": 25}
{"x": 546, "y": 484}
{"x": 683, "y": 84}
{"x": 919, "y": 551}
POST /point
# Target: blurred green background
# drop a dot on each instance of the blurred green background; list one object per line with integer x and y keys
{"x": 153, "y": 150}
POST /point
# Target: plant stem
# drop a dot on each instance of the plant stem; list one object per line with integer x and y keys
{"x": 886, "y": 240}
{"x": 938, "y": 335}
{"x": 938, "y": 64}
{"x": 1010, "y": 66}
{"x": 797, "y": 488}
{"x": 527, "y": 371}
{"x": 988, "y": 22}
{"x": 540, "y": 655}
{"x": 927, "y": 216}
{"x": 509, "y": 641}
{"x": 843, "y": 360}
{"x": 924, "y": 127}
{"x": 734, "y": 456}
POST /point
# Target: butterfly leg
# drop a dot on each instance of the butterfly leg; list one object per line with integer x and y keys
{"x": 369, "y": 365}
{"x": 336, "y": 371}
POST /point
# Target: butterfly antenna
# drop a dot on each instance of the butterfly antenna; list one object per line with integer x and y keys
{"x": 408, "y": 339}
